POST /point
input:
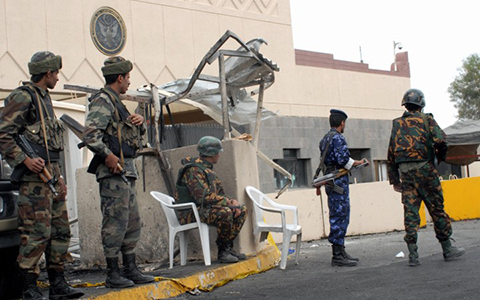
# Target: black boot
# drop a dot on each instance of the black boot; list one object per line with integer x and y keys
{"x": 224, "y": 255}
{"x": 131, "y": 271}
{"x": 30, "y": 290}
{"x": 59, "y": 288}
{"x": 345, "y": 254}
{"x": 115, "y": 279}
{"x": 339, "y": 259}
{"x": 239, "y": 256}
{"x": 413, "y": 255}
{"x": 451, "y": 252}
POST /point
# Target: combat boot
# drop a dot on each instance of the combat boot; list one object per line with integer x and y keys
{"x": 413, "y": 255}
{"x": 115, "y": 279}
{"x": 224, "y": 255}
{"x": 59, "y": 288}
{"x": 239, "y": 256}
{"x": 131, "y": 271}
{"x": 339, "y": 259}
{"x": 451, "y": 252}
{"x": 345, "y": 254}
{"x": 30, "y": 290}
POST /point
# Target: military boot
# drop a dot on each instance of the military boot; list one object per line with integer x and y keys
{"x": 451, "y": 252}
{"x": 338, "y": 259}
{"x": 115, "y": 279}
{"x": 59, "y": 288}
{"x": 131, "y": 271}
{"x": 345, "y": 254}
{"x": 413, "y": 255}
{"x": 239, "y": 256}
{"x": 30, "y": 290}
{"x": 224, "y": 255}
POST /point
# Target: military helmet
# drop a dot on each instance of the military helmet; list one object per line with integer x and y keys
{"x": 414, "y": 96}
{"x": 209, "y": 146}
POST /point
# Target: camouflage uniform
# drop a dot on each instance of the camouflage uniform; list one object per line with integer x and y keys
{"x": 338, "y": 156}
{"x": 43, "y": 218}
{"x": 121, "y": 222}
{"x": 203, "y": 187}
{"x": 411, "y": 151}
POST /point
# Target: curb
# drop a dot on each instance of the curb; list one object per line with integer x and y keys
{"x": 207, "y": 280}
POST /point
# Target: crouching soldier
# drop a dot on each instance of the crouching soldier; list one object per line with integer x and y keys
{"x": 198, "y": 183}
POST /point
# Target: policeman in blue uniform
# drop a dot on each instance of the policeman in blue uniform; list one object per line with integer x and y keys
{"x": 338, "y": 156}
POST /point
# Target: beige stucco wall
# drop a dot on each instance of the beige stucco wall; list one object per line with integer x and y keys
{"x": 374, "y": 208}
{"x": 166, "y": 39}
{"x": 237, "y": 168}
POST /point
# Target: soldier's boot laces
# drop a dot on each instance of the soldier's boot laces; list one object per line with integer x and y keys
{"x": 451, "y": 252}
{"x": 130, "y": 270}
{"x": 413, "y": 255}
{"x": 30, "y": 290}
{"x": 239, "y": 256}
{"x": 115, "y": 279}
{"x": 345, "y": 254}
{"x": 59, "y": 288}
{"x": 339, "y": 259}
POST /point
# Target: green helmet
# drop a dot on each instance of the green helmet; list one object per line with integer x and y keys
{"x": 414, "y": 96}
{"x": 209, "y": 146}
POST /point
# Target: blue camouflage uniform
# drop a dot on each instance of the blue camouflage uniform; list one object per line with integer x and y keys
{"x": 338, "y": 156}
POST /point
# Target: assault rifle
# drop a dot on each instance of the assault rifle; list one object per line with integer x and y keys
{"x": 323, "y": 180}
{"x": 45, "y": 175}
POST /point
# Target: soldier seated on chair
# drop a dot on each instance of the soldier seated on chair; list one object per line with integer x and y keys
{"x": 198, "y": 183}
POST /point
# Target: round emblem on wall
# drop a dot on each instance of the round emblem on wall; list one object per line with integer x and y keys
{"x": 108, "y": 31}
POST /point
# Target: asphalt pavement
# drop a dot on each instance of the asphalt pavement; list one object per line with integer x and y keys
{"x": 379, "y": 275}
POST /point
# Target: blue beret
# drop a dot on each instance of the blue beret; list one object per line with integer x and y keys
{"x": 338, "y": 112}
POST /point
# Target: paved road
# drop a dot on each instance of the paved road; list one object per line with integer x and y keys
{"x": 380, "y": 274}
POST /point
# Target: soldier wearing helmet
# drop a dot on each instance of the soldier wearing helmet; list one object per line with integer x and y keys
{"x": 416, "y": 142}
{"x": 42, "y": 215}
{"x": 198, "y": 183}
{"x": 112, "y": 133}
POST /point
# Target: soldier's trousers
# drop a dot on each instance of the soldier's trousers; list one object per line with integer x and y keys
{"x": 121, "y": 222}
{"x": 43, "y": 225}
{"x": 424, "y": 185}
{"x": 223, "y": 218}
{"x": 339, "y": 211}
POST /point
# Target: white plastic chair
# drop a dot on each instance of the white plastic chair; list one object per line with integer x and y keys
{"x": 288, "y": 230}
{"x": 175, "y": 228}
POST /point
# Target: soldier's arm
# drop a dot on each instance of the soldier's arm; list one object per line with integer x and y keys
{"x": 12, "y": 119}
{"x": 341, "y": 152}
{"x": 392, "y": 168}
{"x": 197, "y": 184}
{"x": 439, "y": 139}
{"x": 99, "y": 116}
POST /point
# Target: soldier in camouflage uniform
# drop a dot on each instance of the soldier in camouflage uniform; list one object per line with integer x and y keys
{"x": 107, "y": 126}
{"x": 42, "y": 215}
{"x": 198, "y": 183}
{"x": 416, "y": 141}
{"x": 336, "y": 157}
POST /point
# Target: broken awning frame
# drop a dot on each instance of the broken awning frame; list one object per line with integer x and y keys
{"x": 244, "y": 67}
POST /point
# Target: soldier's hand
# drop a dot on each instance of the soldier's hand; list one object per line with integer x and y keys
{"x": 35, "y": 165}
{"x": 397, "y": 187}
{"x": 112, "y": 163}
{"x": 236, "y": 211}
{"x": 136, "y": 119}
{"x": 63, "y": 187}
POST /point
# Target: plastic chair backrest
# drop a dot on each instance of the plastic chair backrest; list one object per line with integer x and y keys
{"x": 257, "y": 199}
{"x": 167, "y": 201}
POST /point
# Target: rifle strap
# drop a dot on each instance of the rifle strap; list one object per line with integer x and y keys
{"x": 42, "y": 119}
{"x": 324, "y": 154}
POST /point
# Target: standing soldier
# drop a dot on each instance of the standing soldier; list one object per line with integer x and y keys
{"x": 42, "y": 210}
{"x": 198, "y": 183}
{"x": 107, "y": 126}
{"x": 335, "y": 155}
{"x": 415, "y": 142}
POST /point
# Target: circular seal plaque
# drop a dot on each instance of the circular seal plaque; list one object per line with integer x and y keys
{"x": 108, "y": 31}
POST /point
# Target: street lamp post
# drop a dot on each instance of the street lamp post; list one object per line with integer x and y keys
{"x": 395, "y": 46}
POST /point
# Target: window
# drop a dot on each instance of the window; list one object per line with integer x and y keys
{"x": 295, "y": 166}
{"x": 381, "y": 170}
